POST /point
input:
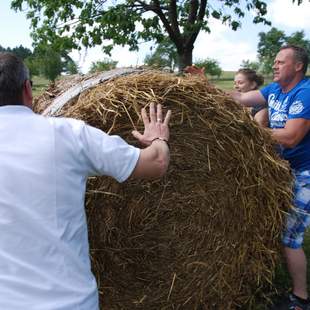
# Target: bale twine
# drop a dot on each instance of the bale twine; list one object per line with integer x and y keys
{"x": 207, "y": 235}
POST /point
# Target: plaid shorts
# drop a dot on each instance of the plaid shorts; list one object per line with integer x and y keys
{"x": 298, "y": 219}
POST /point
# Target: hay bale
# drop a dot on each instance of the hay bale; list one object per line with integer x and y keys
{"x": 207, "y": 235}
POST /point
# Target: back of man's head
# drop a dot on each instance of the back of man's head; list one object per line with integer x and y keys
{"x": 13, "y": 74}
{"x": 300, "y": 55}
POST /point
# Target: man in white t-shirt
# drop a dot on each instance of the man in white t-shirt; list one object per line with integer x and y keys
{"x": 44, "y": 166}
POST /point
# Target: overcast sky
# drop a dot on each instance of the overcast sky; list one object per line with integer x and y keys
{"x": 227, "y": 46}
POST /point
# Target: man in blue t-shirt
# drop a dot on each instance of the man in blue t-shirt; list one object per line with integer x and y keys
{"x": 288, "y": 101}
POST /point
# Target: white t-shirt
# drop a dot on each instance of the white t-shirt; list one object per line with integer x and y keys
{"x": 44, "y": 165}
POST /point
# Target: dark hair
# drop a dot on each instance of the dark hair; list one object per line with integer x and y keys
{"x": 300, "y": 55}
{"x": 13, "y": 74}
{"x": 252, "y": 76}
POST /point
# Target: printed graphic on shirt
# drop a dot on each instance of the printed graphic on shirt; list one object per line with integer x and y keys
{"x": 276, "y": 104}
{"x": 278, "y": 111}
{"x": 296, "y": 107}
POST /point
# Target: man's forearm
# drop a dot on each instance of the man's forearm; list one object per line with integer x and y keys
{"x": 153, "y": 161}
{"x": 293, "y": 132}
{"x": 162, "y": 155}
{"x": 248, "y": 99}
{"x": 281, "y": 136}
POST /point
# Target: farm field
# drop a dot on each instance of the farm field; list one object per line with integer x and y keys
{"x": 226, "y": 81}
{"x": 39, "y": 85}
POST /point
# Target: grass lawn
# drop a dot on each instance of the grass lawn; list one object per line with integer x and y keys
{"x": 223, "y": 84}
{"x": 226, "y": 81}
{"x": 39, "y": 85}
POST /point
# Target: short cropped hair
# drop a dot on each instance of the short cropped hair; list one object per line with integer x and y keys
{"x": 300, "y": 55}
{"x": 252, "y": 76}
{"x": 13, "y": 74}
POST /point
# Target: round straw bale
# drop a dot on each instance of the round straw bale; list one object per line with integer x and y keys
{"x": 207, "y": 235}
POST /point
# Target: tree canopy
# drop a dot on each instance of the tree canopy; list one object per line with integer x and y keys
{"x": 72, "y": 24}
{"x": 44, "y": 60}
{"x": 270, "y": 42}
{"x": 20, "y": 51}
{"x": 211, "y": 66}
{"x": 165, "y": 55}
{"x": 51, "y": 63}
{"x": 103, "y": 65}
{"x": 254, "y": 65}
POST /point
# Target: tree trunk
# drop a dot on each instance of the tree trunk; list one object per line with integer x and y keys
{"x": 185, "y": 58}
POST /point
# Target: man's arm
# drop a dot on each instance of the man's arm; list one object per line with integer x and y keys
{"x": 154, "y": 159}
{"x": 248, "y": 99}
{"x": 293, "y": 132}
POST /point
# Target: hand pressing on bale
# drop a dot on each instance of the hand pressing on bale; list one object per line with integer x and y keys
{"x": 154, "y": 127}
{"x": 154, "y": 159}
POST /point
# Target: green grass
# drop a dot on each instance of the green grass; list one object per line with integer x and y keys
{"x": 223, "y": 84}
{"x": 228, "y": 75}
{"x": 39, "y": 85}
{"x": 226, "y": 80}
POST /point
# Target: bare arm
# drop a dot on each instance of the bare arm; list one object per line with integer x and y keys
{"x": 154, "y": 159}
{"x": 293, "y": 132}
{"x": 248, "y": 99}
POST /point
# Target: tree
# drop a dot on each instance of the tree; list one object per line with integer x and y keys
{"x": 254, "y": 65}
{"x": 268, "y": 47}
{"x": 71, "y": 67}
{"x": 211, "y": 66}
{"x": 165, "y": 55}
{"x": 270, "y": 43}
{"x": 298, "y": 38}
{"x": 33, "y": 65}
{"x": 20, "y": 51}
{"x": 50, "y": 63}
{"x": 71, "y": 24}
{"x": 103, "y": 65}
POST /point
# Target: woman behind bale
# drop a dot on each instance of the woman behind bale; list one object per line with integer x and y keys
{"x": 246, "y": 80}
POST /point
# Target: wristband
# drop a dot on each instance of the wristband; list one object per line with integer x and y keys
{"x": 161, "y": 139}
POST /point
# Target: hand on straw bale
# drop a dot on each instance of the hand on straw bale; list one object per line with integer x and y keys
{"x": 154, "y": 127}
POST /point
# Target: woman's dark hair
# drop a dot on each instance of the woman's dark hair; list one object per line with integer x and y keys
{"x": 252, "y": 76}
{"x": 13, "y": 74}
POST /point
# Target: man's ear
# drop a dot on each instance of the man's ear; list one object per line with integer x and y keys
{"x": 299, "y": 66}
{"x": 27, "y": 94}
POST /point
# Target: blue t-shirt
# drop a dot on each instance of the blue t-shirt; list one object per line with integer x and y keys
{"x": 290, "y": 105}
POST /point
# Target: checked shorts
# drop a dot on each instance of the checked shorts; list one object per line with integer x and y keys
{"x": 298, "y": 219}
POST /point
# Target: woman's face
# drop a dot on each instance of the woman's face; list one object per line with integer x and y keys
{"x": 242, "y": 84}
